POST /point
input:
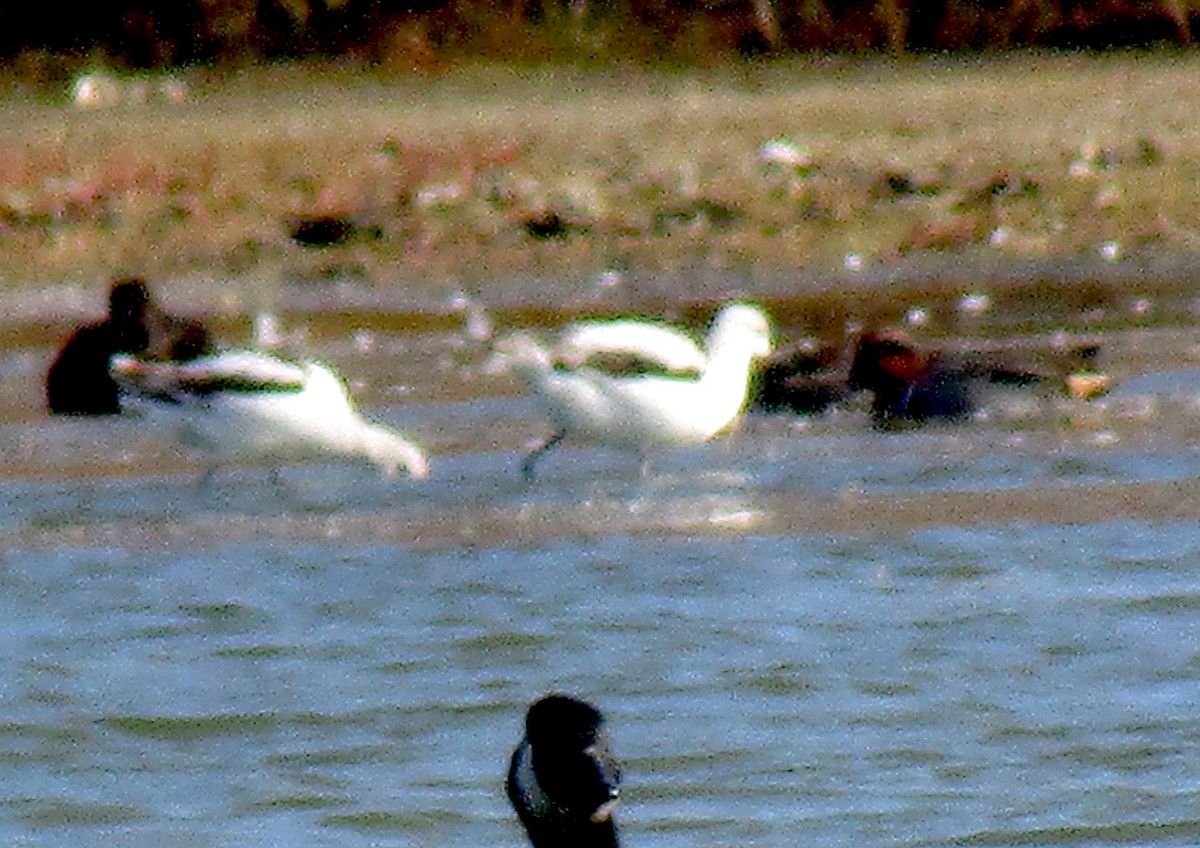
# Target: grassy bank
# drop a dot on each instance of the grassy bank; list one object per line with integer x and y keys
{"x": 484, "y": 173}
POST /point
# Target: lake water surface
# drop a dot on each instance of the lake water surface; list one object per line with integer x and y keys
{"x": 805, "y": 633}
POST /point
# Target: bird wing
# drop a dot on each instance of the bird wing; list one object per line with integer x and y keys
{"x": 630, "y": 348}
{"x": 234, "y": 372}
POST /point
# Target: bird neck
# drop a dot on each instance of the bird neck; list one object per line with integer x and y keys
{"x": 524, "y": 357}
{"x": 392, "y": 453}
{"x": 727, "y": 377}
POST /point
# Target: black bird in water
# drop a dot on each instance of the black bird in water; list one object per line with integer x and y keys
{"x": 563, "y": 780}
{"x": 78, "y": 382}
{"x": 909, "y": 386}
{"x": 913, "y": 387}
{"x": 801, "y": 378}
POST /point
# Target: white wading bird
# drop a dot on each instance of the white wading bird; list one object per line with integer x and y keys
{"x": 247, "y": 403}
{"x": 646, "y": 406}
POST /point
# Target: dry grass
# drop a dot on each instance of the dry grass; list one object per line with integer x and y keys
{"x": 1025, "y": 156}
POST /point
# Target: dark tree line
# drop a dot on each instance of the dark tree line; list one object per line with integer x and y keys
{"x": 160, "y": 33}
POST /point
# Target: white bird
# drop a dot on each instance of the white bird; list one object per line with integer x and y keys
{"x": 645, "y": 408}
{"x": 248, "y": 403}
{"x": 630, "y": 344}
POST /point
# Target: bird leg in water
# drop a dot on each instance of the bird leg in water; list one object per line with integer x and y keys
{"x": 527, "y": 467}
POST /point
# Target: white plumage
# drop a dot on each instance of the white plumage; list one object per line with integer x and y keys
{"x": 655, "y": 345}
{"x": 642, "y": 409}
{"x": 248, "y": 403}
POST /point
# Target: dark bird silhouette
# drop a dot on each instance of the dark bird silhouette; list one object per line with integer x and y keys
{"x": 549, "y": 224}
{"x": 78, "y": 382}
{"x": 319, "y": 231}
{"x": 912, "y": 387}
{"x": 802, "y": 379}
{"x": 563, "y": 780}
{"x": 908, "y": 386}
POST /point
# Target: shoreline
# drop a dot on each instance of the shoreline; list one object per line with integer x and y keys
{"x": 1147, "y": 289}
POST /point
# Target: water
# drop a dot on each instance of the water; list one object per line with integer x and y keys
{"x": 803, "y": 634}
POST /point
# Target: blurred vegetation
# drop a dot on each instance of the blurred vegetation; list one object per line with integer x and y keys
{"x": 318, "y": 172}
{"x": 477, "y": 138}
{"x": 430, "y": 35}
